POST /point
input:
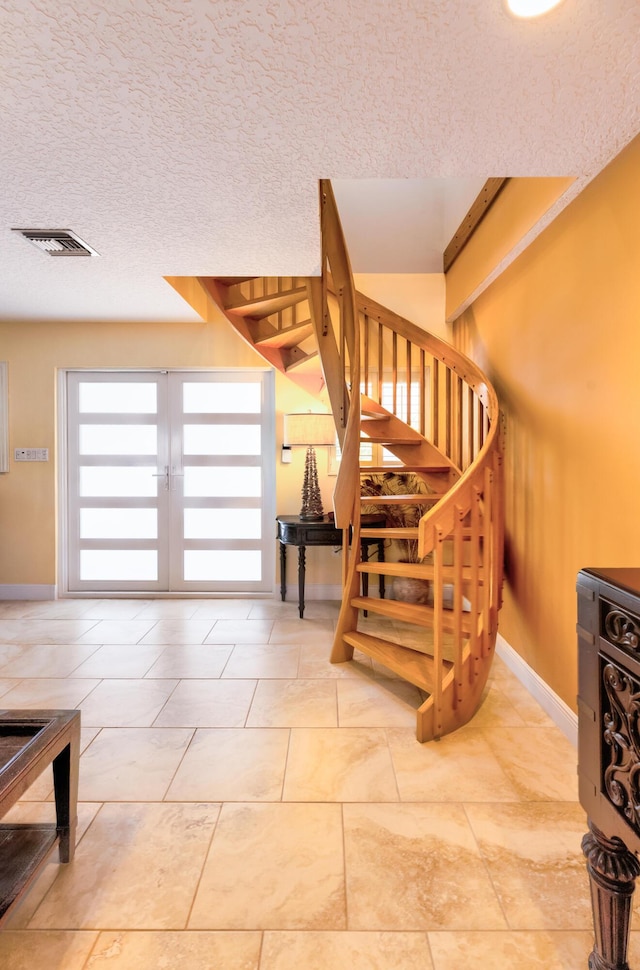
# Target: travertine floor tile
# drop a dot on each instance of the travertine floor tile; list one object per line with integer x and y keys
{"x": 339, "y": 765}
{"x": 273, "y": 866}
{"x": 169, "y": 609}
{"x": 45, "y": 631}
{"x": 293, "y": 703}
{"x": 416, "y": 867}
{"x": 496, "y": 709}
{"x": 223, "y": 609}
{"x": 459, "y": 768}
{"x": 137, "y": 867}
{"x": 278, "y": 660}
{"x": 240, "y": 631}
{"x": 191, "y": 661}
{"x": 477, "y": 865}
{"x": 118, "y": 660}
{"x": 335, "y": 951}
{"x": 231, "y": 765}
{"x": 7, "y": 685}
{"x": 67, "y": 609}
{"x": 178, "y": 631}
{"x": 48, "y": 660}
{"x": 117, "y": 631}
{"x": 55, "y": 949}
{"x": 504, "y": 951}
{"x": 131, "y": 764}
{"x": 540, "y": 762}
{"x": 532, "y": 852}
{"x": 176, "y": 951}
{"x": 126, "y": 703}
{"x": 528, "y": 709}
{"x": 207, "y": 703}
{"x": 379, "y": 703}
{"x": 115, "y": 609}
{"x": 49, "y": 694}
{"x": 302, "y": 631}
{"x": 315, "y": 663}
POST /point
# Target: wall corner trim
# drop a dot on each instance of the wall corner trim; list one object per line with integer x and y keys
{"x": 559, "y": 712}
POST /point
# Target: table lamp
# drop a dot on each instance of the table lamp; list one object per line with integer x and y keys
{"x": 309, "y": 430}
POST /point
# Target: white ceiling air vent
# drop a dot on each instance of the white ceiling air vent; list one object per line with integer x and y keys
{"x": 57, "y": 242}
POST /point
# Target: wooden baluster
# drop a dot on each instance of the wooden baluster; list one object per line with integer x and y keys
{"x": 410, "y": 420}
{"x": 448, "y": 413}
{"x": 394, "y": 372}
{"x": 487, "y": 516}
{"x": 422, "y": 390}
{"x": 438, "y": 589}
{"x": 474, "y": 596}
{"x": 459, "y": 395}
{"x": 435, "y": 401}
{"x": 380, "y": 361}
{"x": 365, "y": 353}
{"x": 458, "y": 558}
{"x": 471, "y": 452}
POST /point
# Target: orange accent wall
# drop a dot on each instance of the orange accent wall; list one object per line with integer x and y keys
{"x": 520, "y": 205}
{"x": 559, "y": 336}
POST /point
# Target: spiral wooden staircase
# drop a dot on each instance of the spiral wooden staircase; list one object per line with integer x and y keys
{"x": 433, "y": 411}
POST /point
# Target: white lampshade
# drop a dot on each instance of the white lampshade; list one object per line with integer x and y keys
{"x": 309, "y": 429}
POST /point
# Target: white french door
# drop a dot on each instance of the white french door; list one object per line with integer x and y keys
{"x": 170, "y": 478}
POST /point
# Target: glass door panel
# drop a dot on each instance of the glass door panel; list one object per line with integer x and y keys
{"x": 170, "y": 481}
{"x": 222, "y": 480}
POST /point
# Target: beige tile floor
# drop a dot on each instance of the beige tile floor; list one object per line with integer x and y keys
{"x": 246, "y": 805}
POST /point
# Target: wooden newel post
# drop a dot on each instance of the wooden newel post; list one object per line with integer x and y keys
{"x": 612, "y": 872}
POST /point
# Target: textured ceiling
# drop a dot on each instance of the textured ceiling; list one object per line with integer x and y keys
{"x": 187, "y": 137}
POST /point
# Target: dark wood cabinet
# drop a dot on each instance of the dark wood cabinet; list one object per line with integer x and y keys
{"x": 609, "y": 751}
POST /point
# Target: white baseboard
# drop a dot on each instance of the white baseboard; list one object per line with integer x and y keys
{"x": 559, "y": 712}
{"x": 27, "y": 591}
{"x": 313, "y": 591}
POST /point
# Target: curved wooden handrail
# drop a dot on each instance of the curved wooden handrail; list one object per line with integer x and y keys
{"x": 337, "y": 268}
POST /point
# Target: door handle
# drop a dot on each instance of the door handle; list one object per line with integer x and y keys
{"x": 165, "y": 475}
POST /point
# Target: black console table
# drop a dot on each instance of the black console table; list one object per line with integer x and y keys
{"x": 294, "y": 531}
{"x": 609, "y": 751}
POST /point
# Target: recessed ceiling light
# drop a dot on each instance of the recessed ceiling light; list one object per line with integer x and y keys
{"x": 531, "y": 8}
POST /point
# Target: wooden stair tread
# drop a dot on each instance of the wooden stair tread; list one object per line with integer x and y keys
{"x": 420, "y": 570}
{"x": 412, "y": 665}
{"x": 401, "y": 469}
{"x": 297, "y": 362}
{"x": 288, "y": 336}
{"x": 389, "y": 533}
{"x": 264, "y": 306}
{"x": 409, "y": 612}
{"x": 418, "y": 498}
{"x": 387, "y": 439}
{"x": 409, "y": 533}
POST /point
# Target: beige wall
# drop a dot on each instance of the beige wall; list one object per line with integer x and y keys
{"x": 36, "y": 350}
{"x": 559, "y": 335}
{"x": 418, "y": 297}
